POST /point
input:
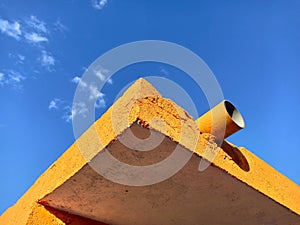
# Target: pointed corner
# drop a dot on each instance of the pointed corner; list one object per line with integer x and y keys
{"x": 141, "y": 88}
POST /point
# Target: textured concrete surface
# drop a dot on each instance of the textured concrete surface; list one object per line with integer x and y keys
{"x": 41, "y": 215}
{"x": 189, "y": 197}
{"x": 237, "y": 187}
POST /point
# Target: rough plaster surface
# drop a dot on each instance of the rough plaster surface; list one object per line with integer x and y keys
{"x": 42, "y": 215}
{"x": 237, "y": 179}
{"x": 190, "y": 197}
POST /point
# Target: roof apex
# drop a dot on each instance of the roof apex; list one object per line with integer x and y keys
{"x": 141, "y": 88}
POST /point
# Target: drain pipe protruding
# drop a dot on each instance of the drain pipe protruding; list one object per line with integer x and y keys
{"x": 227, "y": 120}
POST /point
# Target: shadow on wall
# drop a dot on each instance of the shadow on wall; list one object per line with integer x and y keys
{"x": 71, "y": 219}
{"x": 236, "y": 155}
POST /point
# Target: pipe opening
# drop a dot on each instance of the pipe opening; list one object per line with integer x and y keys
{"x": 235, "y": 115}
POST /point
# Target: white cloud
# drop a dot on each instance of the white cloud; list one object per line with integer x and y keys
{"x": 36, "y": 24}
{"x": 95, "y": 93}
{"x": 68, "y": 116}
{"x": 16, "y": 77}
{"x": 33, "y": 32}
{"x": 60, "y": 27}
{"x": 78, "y": 80}
{"x": 21, "y": 57}
{"x": 102, "y": 75}
{"x": 99, "y": 4}
{"x": 35, "y": 37}
{"x": 100, "y": 103}
{"x": 69, "y": 112}
{"x": 12, "y": 29}
{"x": 78, "y": 109}
{"x": 54, "y": 104}
{"x": 97, "y": 96}
{"x": 47, "y": 60}
{"x": 110, "y": 81}
{"x": 1, "y": 79}
{"x": 18, "y": 58}
{"x": 12, "y": 78}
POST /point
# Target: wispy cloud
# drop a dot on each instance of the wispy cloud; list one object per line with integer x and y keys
{"x": 15, "y": 77}
{"x": 99, "y": 4}
{"x": 78, "y": 109}
{"x": 58, "y": 104}
{"x": 70, "y": 111}
{"x": 20, "y": 58}
{"x": 47, "y": 60}
{"x": 102, "y": 75}
{"x": 92, "y": 91}
{"x": 59, "y": 26}
{"x": 68, "y": 114}
{"x": 2, "y": 79}
{"x": 34, "y": 31}
{"x": 97, "y": 96}
{"x": 12, "y": 78}
{"x": 100, "y": 102}
{"x": 78, "y": 80}
{"x": 12, "y": 29}
{"x": 35, "y": 38}
{"x": 81, "y": 109}
{"x": 95, "y": 93}
{"x": 75, "y": 80}
{"x": 17, "y": 59}
{"x": 54, "y": 104}
{"x": 37, "y": 25}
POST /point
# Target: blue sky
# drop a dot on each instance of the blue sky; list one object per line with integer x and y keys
{"x": 253, "y": 48}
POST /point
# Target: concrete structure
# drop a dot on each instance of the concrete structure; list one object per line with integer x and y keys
{"x": 238, "y": 188}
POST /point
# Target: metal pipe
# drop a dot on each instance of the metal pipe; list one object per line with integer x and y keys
{"x": 221, "y": 121}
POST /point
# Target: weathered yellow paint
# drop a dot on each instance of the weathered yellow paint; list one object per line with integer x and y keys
{"x": 142, "y": 103}
{"x": 74, "y": 159}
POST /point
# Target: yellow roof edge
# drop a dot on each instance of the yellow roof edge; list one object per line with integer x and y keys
{"x": 142, "y": 101}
